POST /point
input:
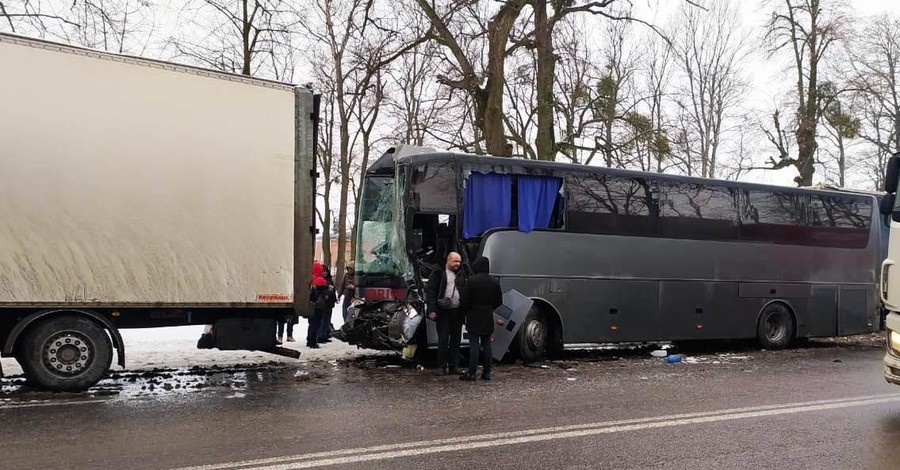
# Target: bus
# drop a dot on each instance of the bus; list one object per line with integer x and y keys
{"x": 609, "y": 255}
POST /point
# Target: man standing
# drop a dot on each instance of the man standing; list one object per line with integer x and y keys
{"x": 479, "y": 298}
{"x": 442, "y": 300}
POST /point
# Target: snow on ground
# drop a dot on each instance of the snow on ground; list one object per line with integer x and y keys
{"x": 176, "y": 347}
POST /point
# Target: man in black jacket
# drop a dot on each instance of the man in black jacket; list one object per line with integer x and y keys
{"x": 477, "y": 301}
{"x": 442, "y": 301}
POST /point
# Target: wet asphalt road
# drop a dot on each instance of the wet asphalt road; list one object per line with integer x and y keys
{"x": 821, "y": 406}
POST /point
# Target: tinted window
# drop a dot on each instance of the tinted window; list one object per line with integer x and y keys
{"x": 434, "y": 186}
{"x": 699, "y": 212}
{"x": 612, "y": 205}
{"x": 827, "y": 211}
{"x": 839, "y": 221}
{"x": 773, "y": 217}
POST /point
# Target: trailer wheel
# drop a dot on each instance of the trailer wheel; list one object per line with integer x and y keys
{"x": 533, "y": 336}
{"x": 65, "y": 353}
{"x": 776, "y": 328}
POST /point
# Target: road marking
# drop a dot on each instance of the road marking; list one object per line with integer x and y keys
{"x": 393, "y": 451}
{"x": 12, "y": 406}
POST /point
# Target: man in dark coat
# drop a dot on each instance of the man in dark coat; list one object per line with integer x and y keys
{"x": 442, "y": 301}
{"x": 477, "y": 301}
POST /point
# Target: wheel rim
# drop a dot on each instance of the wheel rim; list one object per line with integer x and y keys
{"x": 68, "y": 353}
{"x": 776, "y": 327}
{"x": 535, "y": 334}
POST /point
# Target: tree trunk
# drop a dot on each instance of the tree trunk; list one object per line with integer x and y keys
{"x": 491, "y": 98}
{"x": 809, "y": 110}
{"x": 546, "y": 65}
{"x": 245, "y": 36}
{"x": 326, "y": 234}
{"x": 345, "y": 187}
{"x": 842, "y": 162}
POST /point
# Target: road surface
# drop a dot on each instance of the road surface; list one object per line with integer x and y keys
{"x": 822, "y": 406}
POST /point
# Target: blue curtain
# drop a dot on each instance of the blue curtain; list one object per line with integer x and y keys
{"x": 487, "y": 203}
{"x": 537, "y": 195}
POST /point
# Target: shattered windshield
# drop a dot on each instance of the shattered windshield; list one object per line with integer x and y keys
{"x": 380, "y": 250}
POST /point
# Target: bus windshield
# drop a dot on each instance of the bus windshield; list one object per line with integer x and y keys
{"x": 380, "y": 250}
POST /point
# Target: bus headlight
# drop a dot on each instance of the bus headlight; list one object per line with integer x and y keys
{"x": 894, "y": 342}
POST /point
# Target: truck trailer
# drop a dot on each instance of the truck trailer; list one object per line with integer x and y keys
{"x": 138, "y": 193}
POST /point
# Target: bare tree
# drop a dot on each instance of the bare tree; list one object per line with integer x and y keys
{"x": 710, "y": 51}
{"x": 521, "y": 115}
{"x": 807, "y": 31}
{"x": 841, "y": 126}
{"x": 456, "y": 27}
{"x": 326, "y": 158}
{"x": 413, "y": 102}
{"x": 123, "y": 26}
{"x": 353, "y": 44}
{"x": 875, "y": 76}
{"x": 575, "y": 96}
{"x": 250, "y": 37}
{"x": 616, "y": 82}
{"x": 658, "y": 64}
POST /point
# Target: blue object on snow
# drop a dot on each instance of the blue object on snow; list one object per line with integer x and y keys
{"x": 672, "y": 359}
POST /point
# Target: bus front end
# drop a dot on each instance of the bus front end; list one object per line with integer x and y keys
{"x": 890, "y": 275}
{"x": 385, "y": 315}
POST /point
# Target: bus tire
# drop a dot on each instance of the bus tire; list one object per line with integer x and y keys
{"x": 65, "y": 353}
{"x": 533, "y": 336}
{"x": 776, "y": 328}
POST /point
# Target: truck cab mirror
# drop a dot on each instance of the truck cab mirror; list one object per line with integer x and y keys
{"x": 886, "y": 204}
{"x": 892, "y": 174}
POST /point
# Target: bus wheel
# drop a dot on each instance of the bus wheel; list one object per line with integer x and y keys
{"x": 776, "y": 327}
{"x": 534, "y": 334}
{"x": 65, "y": 353}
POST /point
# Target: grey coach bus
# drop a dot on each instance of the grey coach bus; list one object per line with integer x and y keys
{"x": 620, "y": 256}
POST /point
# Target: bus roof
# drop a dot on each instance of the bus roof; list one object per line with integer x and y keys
{"x": 409, "y": 155}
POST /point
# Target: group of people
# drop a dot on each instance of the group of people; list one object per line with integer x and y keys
{"x": 323, "y": 296}
{"x": 452, "y": 300}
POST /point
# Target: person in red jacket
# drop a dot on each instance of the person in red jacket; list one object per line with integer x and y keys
{"x": 321, "y": 294}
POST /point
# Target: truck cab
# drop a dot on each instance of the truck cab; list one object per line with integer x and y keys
{"x": 890, "y": 276}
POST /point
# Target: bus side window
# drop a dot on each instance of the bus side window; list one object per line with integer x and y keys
{"x": 698, "y": 212}
{"x": 606, "y": 204}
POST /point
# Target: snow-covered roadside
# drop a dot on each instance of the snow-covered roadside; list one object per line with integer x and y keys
{"x": 176, "y": 347}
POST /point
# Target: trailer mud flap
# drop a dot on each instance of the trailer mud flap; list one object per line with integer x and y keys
{"x": 252, "y": 334}
{"x": 511, "y": 314}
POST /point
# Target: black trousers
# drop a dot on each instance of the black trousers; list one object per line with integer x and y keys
{"x": 485, "y": 342}
{"x": 449, "y": 329}
{"x": 315, "y": 323}
{"x": 290, "y": 327}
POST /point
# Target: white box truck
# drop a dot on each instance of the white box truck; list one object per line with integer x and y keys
{"x": 137, "y": 193}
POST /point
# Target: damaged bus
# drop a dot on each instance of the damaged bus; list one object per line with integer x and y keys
{"x": 610, "y": 255}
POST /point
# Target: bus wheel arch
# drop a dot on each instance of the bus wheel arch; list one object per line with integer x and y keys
{"x": 65, "y": 350}
{"x": 541, "y": 332}
{"x": 776, "y": 325}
